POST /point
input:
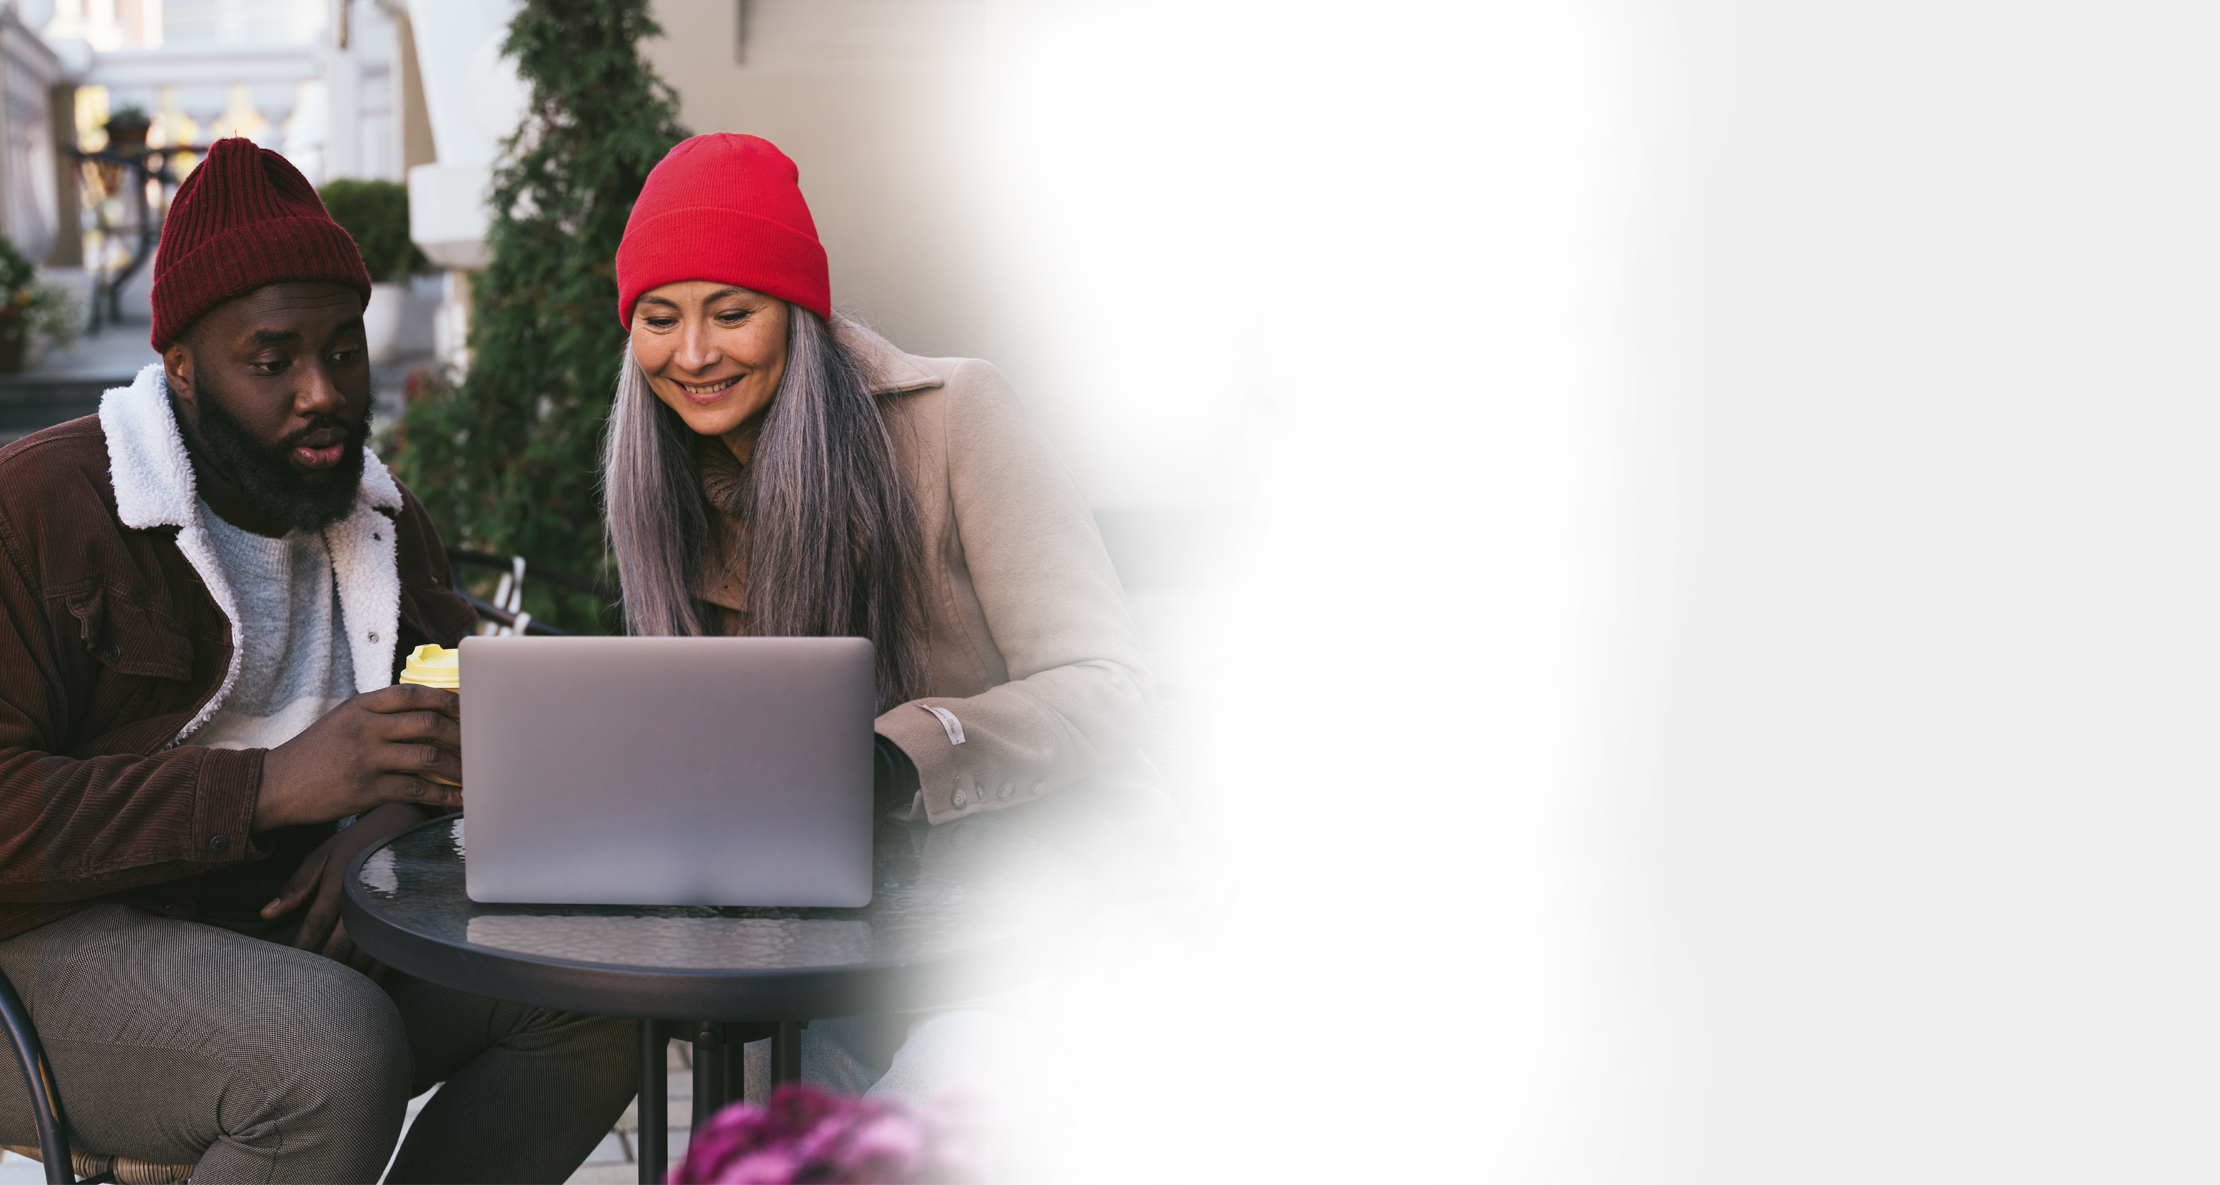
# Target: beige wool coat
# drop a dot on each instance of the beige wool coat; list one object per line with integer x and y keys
{"x": 1033, "y": 664}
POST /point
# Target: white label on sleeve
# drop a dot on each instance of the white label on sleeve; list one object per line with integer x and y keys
{"x": 949, "y": 722}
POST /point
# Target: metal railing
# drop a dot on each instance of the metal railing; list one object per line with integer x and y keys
{"x": 106, "y": 171}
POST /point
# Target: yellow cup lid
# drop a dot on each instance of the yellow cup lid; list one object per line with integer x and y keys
{"x": 433, "y": 665}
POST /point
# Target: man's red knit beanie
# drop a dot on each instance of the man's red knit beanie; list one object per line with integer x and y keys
{"x": 244, "y": 217}
{"x": 728, "y": 208}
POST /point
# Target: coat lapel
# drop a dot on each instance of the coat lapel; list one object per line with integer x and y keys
{"x": 153, "y": 480}
{"x": 365, "y": 564}
{"x": 887, "y": 370}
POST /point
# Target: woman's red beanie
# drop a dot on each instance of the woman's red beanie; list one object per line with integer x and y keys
{"x": 244, "y": 217}
{"x": 729, "y": 208}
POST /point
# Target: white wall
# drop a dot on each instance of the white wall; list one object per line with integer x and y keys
{"x": 29, "y": 211}
{"x": 1933, "y": 802}
{"x": 470, "y": 90}
{"x": 365, "y": 96}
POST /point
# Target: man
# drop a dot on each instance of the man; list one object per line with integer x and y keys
{"x": 209, "y": 587}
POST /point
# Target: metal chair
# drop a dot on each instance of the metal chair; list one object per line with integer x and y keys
{"x": 121, "y": 1170}
{"x": 62, "y": 1166}
{"x": 505, "y": 614}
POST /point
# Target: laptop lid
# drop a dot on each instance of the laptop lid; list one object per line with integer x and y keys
{"x": 668, "y": 771}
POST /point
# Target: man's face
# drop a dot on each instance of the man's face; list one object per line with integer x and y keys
{"x": 273, "y": 391}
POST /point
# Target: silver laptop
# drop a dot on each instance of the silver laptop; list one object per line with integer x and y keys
{"x": 668, "y": 771}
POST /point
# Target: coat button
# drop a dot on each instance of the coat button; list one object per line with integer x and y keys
{"x": 219, "y": 844}
{"x": 1007, "y": 791}
{"x": 111, "y": 652}
{"x": 1037, "y": 787}
{"x": 959, "y": 799}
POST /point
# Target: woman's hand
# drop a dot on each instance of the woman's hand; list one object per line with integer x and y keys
{"x": 316, "y": 885}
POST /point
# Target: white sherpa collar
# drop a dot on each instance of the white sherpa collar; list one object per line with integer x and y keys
{"x": 153, "y": 480}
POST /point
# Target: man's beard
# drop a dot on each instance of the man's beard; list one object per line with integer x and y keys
{"x": 263, "y": 473}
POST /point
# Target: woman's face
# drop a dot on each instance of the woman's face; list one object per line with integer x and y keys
{"x": 714, "y": 353}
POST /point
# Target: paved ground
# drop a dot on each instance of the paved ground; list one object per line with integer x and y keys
{"x": 67, "y": 383}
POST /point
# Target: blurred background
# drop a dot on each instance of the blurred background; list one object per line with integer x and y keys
{"x": 1676, "y": 535}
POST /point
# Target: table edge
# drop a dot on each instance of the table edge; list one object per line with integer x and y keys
{"x": 619, "y": 989}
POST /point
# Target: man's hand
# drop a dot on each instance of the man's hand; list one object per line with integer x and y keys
{"x": 375, "y": 748}
{"x": 316, "y": 884}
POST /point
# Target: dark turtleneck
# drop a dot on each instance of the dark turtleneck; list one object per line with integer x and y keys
{"x": 722, "y": 583}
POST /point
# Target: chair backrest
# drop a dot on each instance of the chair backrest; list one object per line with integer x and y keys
{"x": 504, "y": 614}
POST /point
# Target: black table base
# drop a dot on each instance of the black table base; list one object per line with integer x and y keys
{"x": 718, "y": 1076}
{"x": 957, "y": 911}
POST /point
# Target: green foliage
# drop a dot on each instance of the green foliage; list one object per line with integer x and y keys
{"x": 53, "y": 310}
{"x": 507, "y": 459}
{"x": 130, "y": 115}
{"x": 376, "y": 213}
{"x": 16, "y": 272}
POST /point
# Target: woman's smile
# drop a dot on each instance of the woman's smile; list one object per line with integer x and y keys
{"x": 706, "y": 393}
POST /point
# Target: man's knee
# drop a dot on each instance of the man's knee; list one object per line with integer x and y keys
{"x": 323, "y": 1040}
{"x": 192, "y": 1038}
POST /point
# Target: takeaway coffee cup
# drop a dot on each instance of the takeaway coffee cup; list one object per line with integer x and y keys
{"x": 434, "y": 666}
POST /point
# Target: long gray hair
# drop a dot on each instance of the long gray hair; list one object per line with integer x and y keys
{"x": 833, "y": 539}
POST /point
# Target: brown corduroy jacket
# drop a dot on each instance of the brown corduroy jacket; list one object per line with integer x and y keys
{"x": 116, "y": 645}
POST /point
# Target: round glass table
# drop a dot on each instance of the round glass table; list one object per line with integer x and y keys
{"x": 958, "y": 911}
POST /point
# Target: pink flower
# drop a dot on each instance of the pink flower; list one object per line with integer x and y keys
{"x": 803, "y": 1134}
{"x": 759, "y": 1168}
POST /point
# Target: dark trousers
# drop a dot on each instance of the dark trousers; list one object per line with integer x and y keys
{"x": 183, "y": 1043}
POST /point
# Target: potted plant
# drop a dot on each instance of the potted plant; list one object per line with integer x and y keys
{"x": 126, "y": 128}
{"x": 376, "y": 213}
{"x": 31, "y": 308}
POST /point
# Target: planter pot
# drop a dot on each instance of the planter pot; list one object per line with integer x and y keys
{"x": 126, "y": 137}
{"x": 14, "y": 336}
{"x": 381, "y": 321}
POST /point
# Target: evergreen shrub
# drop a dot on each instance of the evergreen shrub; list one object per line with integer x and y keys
{"x": 507, "y": 455}
{"x": 376, "y": 214}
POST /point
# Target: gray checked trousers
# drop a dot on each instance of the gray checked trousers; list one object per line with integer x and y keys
{"x": 181, "y": 1043}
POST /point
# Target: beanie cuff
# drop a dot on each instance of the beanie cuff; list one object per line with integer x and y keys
{"x": 726, "y": 246}
{"x": 237, "y": 261}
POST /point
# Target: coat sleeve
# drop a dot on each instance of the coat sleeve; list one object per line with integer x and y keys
{"x": 73, "y": 828}
{"x": 1077, "y": 695}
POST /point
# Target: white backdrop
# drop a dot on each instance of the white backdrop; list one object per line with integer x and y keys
{"x": 1369, "y": 277}
{"x": 1718, "y": 681}
{"x": 1710, "y": 676}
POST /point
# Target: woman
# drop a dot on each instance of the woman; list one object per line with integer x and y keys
{"x": 775, "y": 470}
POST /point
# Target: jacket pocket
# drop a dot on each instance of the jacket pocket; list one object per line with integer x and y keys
{"x": 128, "y": 641}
